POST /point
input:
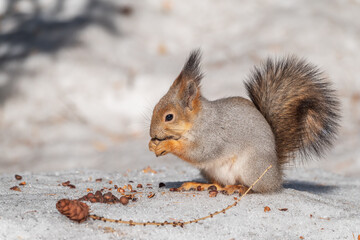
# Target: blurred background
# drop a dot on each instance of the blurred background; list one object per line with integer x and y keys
{"x": 79, "y": 79}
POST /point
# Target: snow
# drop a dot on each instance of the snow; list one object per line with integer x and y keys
{"x": 319, "y": 205}
{"x": 79, "y": 79}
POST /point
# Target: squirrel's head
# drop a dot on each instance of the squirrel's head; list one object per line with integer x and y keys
{"x": 174, "y": 114}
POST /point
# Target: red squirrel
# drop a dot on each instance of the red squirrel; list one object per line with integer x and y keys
{"x": 293, "y": 109}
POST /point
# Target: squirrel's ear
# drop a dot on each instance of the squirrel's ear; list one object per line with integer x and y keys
{"x": 187, "y": 83}
{"x": 189, "y": 94}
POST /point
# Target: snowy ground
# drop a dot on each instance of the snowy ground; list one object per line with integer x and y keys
{"x": 78, "y": 80}
{"x": 319, "y": 206}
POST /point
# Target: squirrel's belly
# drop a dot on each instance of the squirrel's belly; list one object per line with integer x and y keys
{"x": 226, "y": 172}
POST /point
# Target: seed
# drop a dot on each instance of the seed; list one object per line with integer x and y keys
{"x": 283, "y": 209}
{"x": 93, "y": 200}
{"x": 71, "y": 186}
{"x": 139, "y": 186}
{"x": 213, "y": 193}
{"x": 151, "y": 195}
{"x": 66, "y": 183}
{"x": 89, "y": 189}
{"x": 124, "y": 200}
{"x": 121, "y": 190}
{"x": 161, "y": 185}
{"x": 116, "y": 186}
{"x": 98, "y": 180}
{"x": 18, "y": 177}
{"x": 199, "y": 188}
{"x": 15, "y": 188}
{"x": 129, "y": 187}
{"x": 22, "y": 183}
{"x": 174, "y": 190}
{"x": 212, "y": 187}
{"x": 267, "y": 209}
{"x": 110, "y": 182}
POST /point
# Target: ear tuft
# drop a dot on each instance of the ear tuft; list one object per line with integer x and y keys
{"x": 192, "y": 68}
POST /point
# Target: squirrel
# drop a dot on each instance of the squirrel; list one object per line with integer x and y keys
{"x": 293, "y": 111}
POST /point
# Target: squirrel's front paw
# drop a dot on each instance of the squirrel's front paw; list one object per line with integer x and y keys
{"x": 152, "y": 144}
{"x": 163, "y": 148}
{"x": 166, "y": 146}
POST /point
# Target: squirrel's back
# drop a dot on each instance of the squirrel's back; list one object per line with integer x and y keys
{"x": 297, "y": 101}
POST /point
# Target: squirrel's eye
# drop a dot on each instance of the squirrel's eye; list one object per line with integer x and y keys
{"x": 169, "y": 117}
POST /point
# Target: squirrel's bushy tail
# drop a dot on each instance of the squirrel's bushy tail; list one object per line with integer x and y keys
{"x": 297, "y": 101}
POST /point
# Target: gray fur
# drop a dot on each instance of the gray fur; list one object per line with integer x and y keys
{"x": 234, "y": 128}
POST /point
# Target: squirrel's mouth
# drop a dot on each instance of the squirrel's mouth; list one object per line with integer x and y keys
{"x": 166, "y": 138}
